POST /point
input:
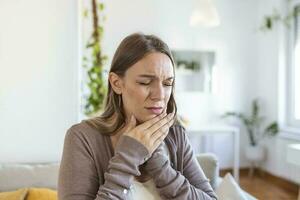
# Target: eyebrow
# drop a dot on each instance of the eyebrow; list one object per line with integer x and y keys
{"x": 153, "y": 76}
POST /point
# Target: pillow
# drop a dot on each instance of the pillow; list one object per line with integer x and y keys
{"x": 15, "y": 176}
{"x": 229, "y": 189}
{"x": 41, "y": 194}
{"x": 209, "y": 165}
{"x": 14, "y": 195}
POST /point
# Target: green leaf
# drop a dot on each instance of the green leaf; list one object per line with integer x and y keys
{"x": 101, "y": 6}
{"x": 272, "y": 129}
{"x": 85, "y": 13}
{"x": 93, "y": 66}
{"x": 100, "y": 30}
{"x": 253, "y": 123}
{"x": 255, "y": 108}
{"x": 269, "y": 22}
{"x": 230, "y": 114}
{"x": 89, "y": 45}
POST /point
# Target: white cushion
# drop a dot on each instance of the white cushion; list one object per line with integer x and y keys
{"x": 209, "y": 164}
{"x": 229, "y": 189}
{"x": 14, "y": 176}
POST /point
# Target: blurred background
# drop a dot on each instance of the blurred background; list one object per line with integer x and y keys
{"x": 237, "y": 75}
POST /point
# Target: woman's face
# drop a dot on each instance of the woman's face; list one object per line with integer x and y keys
{"x": 147, "y": 86}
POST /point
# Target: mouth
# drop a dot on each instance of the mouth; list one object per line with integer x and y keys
{"x": 155, "y": 110}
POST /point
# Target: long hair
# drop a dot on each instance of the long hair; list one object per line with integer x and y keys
{"x": 132, "y": 49}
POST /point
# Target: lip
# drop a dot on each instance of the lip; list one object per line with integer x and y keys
{"x": 155, "y": 110}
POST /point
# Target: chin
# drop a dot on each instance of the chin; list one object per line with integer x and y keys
{"x": 145, "y": 118}
{"x": 150, "y": 117}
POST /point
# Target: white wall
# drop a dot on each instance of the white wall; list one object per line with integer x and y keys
{"x": 47, "y": 59}
{"x": 38, "y": 78}
{"x": 247, "y": 60}
{"x": 38, "y": 62}
{"x": 234, "y": 41}
{"x": 267, "y": 88}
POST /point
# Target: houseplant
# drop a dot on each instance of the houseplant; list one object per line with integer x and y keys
{"x": 94, "y": 60}
{"x": 253, "y": 124}
{"x": 270, "y": 20}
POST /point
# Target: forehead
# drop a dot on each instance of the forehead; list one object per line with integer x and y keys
{"x": 158, "y": 64}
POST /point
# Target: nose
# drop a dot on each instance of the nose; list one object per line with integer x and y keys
{"x": 157, "y": 92}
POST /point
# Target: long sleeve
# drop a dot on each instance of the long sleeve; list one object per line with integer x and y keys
{"x": 122, "y": 168}
{"x": 78, "y": 177}
{"x": 172, "y": 184}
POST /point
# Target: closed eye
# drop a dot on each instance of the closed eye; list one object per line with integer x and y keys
{"x": 144, "y": 83}
{"x": 148, "y": 83}
{"x": 141, "y": 83}
{"x": 168, "y": 84}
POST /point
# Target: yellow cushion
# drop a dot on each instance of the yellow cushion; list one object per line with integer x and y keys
{"x": 41, "y": 194}
{"x": 14, "y": 195}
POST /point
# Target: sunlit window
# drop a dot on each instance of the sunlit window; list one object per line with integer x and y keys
{"x": 297, "y": 66}
{"x": 294, "y": 74}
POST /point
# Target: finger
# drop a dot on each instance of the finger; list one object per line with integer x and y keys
{"x": 159, "y": 140}
{"x": 131, "y": 124}
{"x": 155, "y": 136}
{"x": 152, "y": 121}
{"x": 163, "y": 130}
{"x": 160, "y": 123}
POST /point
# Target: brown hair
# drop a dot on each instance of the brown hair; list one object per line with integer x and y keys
{"x": 132, "y": 49}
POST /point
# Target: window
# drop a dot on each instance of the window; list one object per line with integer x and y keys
{"x": 297, "y": 65}
{"x": 293, "y": 80}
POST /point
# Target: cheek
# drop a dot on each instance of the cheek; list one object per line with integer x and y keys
{"x": 135, "y": 102}
{"x": 168, "y": 94}
{"x": 136, "y": 95}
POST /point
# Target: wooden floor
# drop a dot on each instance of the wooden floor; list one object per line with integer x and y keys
{"x": 265, "y": 188}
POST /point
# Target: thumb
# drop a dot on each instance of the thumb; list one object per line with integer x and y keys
{"x": 131, "y": 124}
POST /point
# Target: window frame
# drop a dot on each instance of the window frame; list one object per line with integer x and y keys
{"x": 290, "y": 127}
{"x": 290, "y": 114}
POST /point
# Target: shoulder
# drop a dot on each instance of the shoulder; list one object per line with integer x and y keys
{"x": 83, "y": 130}
{"x": 84, "y": 138}
{"x": 177, "y": 134}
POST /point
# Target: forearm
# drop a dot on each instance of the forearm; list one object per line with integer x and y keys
{"x": 129, "y": 154}
{"x": 171, "y": 184}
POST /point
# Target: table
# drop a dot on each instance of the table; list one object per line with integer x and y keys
{"x": 293, "y": 152}
{"x": 221, "y": 129}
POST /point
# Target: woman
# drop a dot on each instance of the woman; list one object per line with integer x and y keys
{"x": 134, "y": 150}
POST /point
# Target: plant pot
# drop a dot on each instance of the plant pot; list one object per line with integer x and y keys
{"x": 255, "y": 153}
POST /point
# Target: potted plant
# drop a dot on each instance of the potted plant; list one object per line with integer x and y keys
{"x": 269, "y": 21}
{"x": 94, "y": 60}
{"x": 255, "y": 152}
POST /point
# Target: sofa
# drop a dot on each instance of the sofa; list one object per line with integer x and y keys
{"x": 45, "y": 175}
{"x": 209, "y": 164}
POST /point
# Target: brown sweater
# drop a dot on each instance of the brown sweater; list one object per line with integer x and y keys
{"x": 91, "y": 169}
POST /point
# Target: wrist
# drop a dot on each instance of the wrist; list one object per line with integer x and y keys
{"x": 157, "y": 160}
{"x": 131, "y": 150}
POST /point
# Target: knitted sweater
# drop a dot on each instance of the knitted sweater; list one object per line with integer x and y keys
{"x": 91, "y": 169}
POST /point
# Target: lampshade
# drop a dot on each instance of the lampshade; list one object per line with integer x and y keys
{"x": 205, "y": 14}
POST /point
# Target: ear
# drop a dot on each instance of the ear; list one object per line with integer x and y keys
{"x": 116, "y": 82}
